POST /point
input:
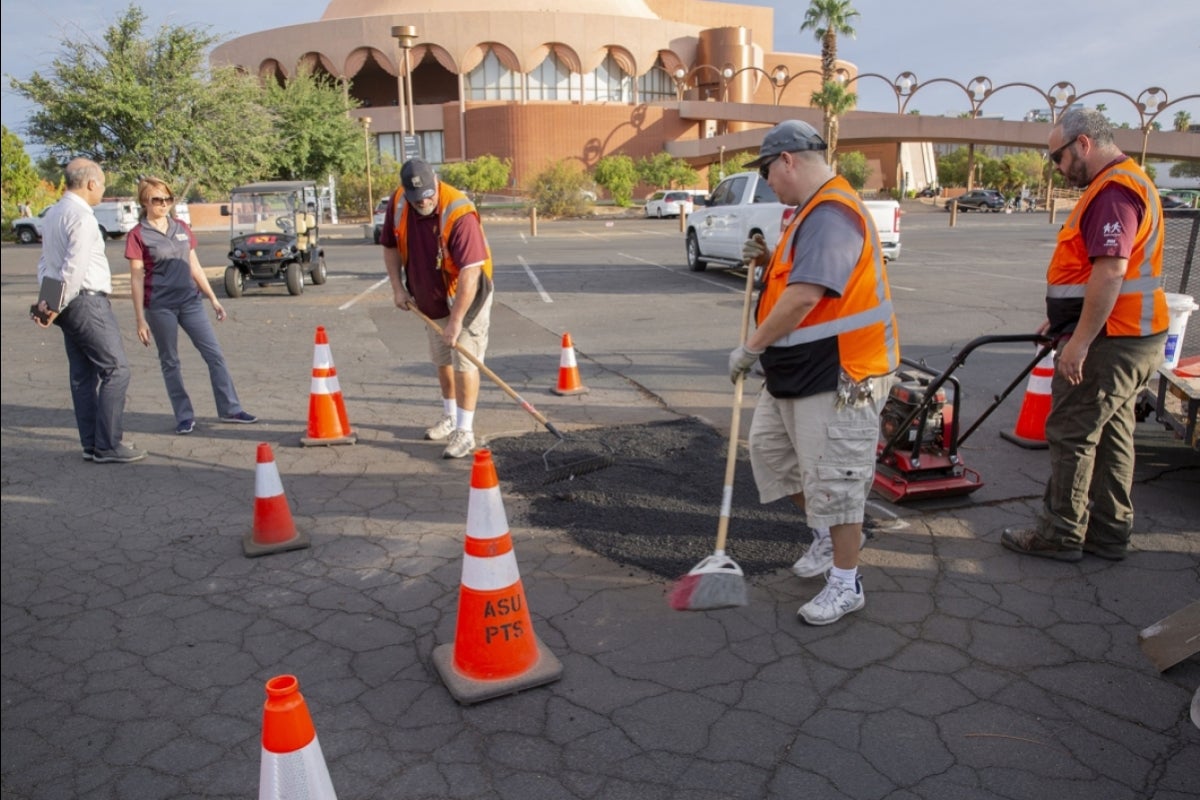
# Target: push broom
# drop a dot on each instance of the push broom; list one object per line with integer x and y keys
{"x": 553, "y": 474}
{"x": 717, "y": 581}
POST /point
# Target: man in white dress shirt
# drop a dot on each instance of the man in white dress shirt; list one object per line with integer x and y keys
{"x": 73, "y": 253}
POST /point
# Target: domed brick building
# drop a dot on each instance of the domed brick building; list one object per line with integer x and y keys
{"x": 537, "y": 81}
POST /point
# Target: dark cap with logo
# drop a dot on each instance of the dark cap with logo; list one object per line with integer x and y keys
{"x": 789, "y": 136}
{"x": 419, "y": 181}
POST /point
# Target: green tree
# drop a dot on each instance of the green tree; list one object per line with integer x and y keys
{"x": 18, "y": 178}
{"x": 854, "y": 168}
{"x": 735, "y": 162}
{"x": 829, "y": 19}
{"x": 1182, "y": 121}
{"x": 664, "y": 171}
{"x": 1185, "y": 169}
{"x": 142, "y": 104}
{"x": 833, "y": 100}
{"x": 315, "y": 136}
{"x": 557, "y": 191}
{"x": 478, "y": 176}
{"x": 618, "y": 174}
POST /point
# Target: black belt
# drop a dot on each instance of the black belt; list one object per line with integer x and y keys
{"x": 93, "y": 293}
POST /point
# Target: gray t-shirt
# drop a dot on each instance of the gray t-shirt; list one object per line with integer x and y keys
{"x": 827, "y": 247}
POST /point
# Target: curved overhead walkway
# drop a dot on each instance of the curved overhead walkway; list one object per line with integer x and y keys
{"x": 872, "y": 127}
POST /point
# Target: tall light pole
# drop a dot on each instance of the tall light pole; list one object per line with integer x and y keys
{"x": 366, "y": 123}
{"x": 404, "y": 36}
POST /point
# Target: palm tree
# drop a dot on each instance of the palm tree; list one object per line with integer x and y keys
{"x": 834, "y": 100}
{"x": 1182, "y": 121}
{"x": 828, "y": 19}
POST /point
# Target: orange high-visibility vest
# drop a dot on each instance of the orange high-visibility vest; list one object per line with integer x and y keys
{"x": 452, "y": 205}
{"x": 1141, "y": 307}
{"x": 862, "y": 319}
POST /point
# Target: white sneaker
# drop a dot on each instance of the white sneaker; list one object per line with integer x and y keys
{"x": 835, "y": 601}
{"x": 440, "y": 431}
{"x": 461, "y": 444}
{"x": 818, "y": 559}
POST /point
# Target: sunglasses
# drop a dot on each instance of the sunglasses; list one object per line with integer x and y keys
{"x": 164, "y": 201}
{"x": 1056, "y": 156}
{"x": 764, "y": 169}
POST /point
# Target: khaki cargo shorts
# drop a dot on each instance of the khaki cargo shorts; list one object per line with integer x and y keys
{"x": 806, "y": 446}
{"x": 473, "y": 339}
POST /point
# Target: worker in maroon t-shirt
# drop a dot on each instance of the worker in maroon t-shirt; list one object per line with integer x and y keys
{"x": 438, "y": 262}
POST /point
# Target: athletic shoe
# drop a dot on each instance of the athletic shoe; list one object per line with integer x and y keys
{"x": 122, "y": 454}
{"x": 241, "y": 418}
{"x": 89, "y": 453}
{"x": 185, "y": 427}
{"x": 461, "y": 444}
{"x": 818, "y": 559}
{"x": 835, "y": 601}
{"x": 442, "y": 430}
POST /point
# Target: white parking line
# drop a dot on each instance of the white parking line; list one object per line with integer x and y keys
{"x": 361, "y": 295}
{"x": 697, "y": 277}
{"x": 534, "y": 280}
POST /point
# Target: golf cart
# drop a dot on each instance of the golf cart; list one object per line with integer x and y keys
{"x": 273, "y": 236}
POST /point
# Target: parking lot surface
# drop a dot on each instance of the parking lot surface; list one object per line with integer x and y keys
{"x": 137, "y": 637}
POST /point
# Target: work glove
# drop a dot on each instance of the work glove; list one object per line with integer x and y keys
{"x": 754, "y": 250}
{"x": 741, "y": 359}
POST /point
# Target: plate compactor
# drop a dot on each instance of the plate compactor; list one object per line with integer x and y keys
{"x": 918, "y": 455}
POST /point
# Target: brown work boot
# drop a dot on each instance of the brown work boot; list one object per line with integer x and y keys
{"x": 1029, "y": 542}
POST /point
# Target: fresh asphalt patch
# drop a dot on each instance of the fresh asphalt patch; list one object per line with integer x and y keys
{"x": 647, "y": 496}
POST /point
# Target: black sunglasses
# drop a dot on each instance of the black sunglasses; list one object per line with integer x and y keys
{"x": 1057, "y": 155}
{"x": 765, "y": 167}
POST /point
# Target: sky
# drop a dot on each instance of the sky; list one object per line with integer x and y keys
{"x": 1128, "y": 48}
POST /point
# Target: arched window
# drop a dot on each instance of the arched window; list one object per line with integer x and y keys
{"x": 608, "y": 83}
{"x": 656, "y": 84}
{"x": 550, "y": 80}
{"x": 491, "y": 80}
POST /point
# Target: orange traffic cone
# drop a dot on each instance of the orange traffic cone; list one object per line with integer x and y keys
{"x": 495, "y": 651}
{"x": 1030, "y": 430}
{"x": 568, "y": 370}
{"x": 292, "y": 763}
{"x": 327, "y": 420}
{"x": 274, "y": 530}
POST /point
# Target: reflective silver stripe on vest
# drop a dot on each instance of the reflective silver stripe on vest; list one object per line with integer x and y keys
{"x": 452, "y": 206}
{"x": 824, "y": 330}
{"x": 1062, "y": 291}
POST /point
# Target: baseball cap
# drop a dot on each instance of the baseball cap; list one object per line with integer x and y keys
{"x": 789, "y": 136}
{"x": 419, "y": 181}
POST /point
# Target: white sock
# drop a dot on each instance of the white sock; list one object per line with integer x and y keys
{"x": 449, "y": 407}
{"x": 466, "y": 420}
{"x": 820, "y": 533}
{"x": 846, "y": 576}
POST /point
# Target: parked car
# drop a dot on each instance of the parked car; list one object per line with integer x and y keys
{"x": 377, "y": 220}
{"x": 669, "y": 203}
{"x": 1180, "y": 198}
{"x": 979, "y": 200}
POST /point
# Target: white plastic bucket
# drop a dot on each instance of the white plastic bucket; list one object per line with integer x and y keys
{"x": 1179, "y": 306}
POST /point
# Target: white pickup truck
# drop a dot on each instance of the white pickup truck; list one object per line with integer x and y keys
{"x": 115, "y": 217}
{"x": 743, "y": 205}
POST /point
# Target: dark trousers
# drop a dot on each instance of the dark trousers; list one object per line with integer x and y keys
{"x": 98, "y": 368}
{"x": 1090, "y": 435}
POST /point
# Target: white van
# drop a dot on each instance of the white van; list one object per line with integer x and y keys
{"x": 117, "y": 217}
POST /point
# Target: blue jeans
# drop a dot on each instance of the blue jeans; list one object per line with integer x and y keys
{"x": 98, "y": 368}
{"x": 193, "y": 318}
